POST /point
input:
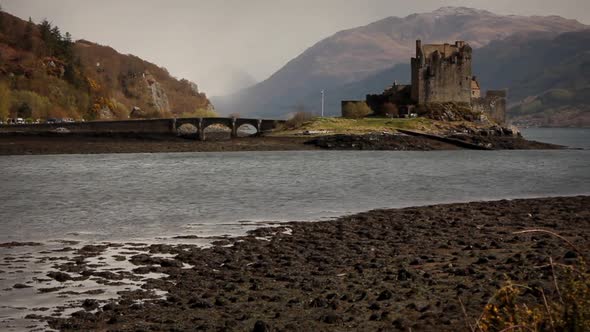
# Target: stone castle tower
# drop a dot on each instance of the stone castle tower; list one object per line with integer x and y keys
{"x": 442, "y": 73}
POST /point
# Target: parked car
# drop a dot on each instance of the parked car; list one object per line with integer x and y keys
{"x": 16, "y": 121}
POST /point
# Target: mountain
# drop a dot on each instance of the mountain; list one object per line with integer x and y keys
{"x": 547, "y": 78}
{"x": 44, "y": 74}
{"x": 554, "y": 108}
{"x": 356, "y": 54}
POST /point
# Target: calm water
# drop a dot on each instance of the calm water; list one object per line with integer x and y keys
{"x": 146, "y": 196}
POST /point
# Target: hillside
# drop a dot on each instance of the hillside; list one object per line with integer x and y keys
{"x": 554, "y": 108}
{"x": 355, "y": 54}
{"x": 547, "y": 76}
{"x": 44, "y": 74}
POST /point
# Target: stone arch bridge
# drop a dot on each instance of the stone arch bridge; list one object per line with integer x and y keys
{"x": 234, "y": 124}
{"x": 152, "y": 126}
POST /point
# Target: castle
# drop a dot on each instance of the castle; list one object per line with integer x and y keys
{"x": 441, "y": 73}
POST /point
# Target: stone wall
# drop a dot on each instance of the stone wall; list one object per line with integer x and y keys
{"x": 442, "y": 73}
{"x": 157, "y": 126}
{"x": 493, "y": 105}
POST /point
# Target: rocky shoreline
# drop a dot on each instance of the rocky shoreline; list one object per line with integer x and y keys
{"x": 384, "y": 270}
{"x": 410, "y": 141}
{"x": 56, "y": 143}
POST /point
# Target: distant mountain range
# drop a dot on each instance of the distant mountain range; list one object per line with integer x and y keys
{"x": 364, "y": 60}
{"x": 547, "y": 77}
{"x": 44, "y": 74}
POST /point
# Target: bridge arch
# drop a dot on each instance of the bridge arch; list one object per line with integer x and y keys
{"x": 217, "y": 131}
{"x": 203, "y": 125}
{"x": 187, "y": 130}
{"x": 247, "y": 130}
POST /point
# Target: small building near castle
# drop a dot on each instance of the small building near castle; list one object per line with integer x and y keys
{"x": 441, "y": 73}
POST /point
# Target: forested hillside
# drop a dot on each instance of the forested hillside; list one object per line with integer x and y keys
{"x": 45, "y": 74}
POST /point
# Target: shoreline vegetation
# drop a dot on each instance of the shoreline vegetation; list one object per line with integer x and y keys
{"x": 481, "y": 266}
{"x": 419, "y": 134}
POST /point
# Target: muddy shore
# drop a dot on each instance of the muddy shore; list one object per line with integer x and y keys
{"x": 15, "y": 144}
{"x": 53, "y": 143}
{"x": 402, "y": 142}
{"x": 381, "y": 270}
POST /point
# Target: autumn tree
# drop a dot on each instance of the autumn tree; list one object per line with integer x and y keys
{"x": 24, "y": 111}
{"x": 5, "y": 101}
{"x": 1, "y": 18}
{"x": 29, "y": 104}
{"x": 45, "y": 30}
{"x": 28, "y": 41}
{"x": 355, "y": 110}
{"x": 67, "y": 47}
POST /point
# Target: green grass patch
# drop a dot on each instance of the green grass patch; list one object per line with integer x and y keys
{"x": 359, "y": 126}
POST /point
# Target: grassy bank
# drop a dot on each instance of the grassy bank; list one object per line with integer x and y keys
{"x": 331, "y": 126}
{"x": 359, "y": 126}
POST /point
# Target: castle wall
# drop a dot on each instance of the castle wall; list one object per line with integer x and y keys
{"x": 446, "y": 81}
{"x": 493, "y": 105}
{"x": 441, "y": 73}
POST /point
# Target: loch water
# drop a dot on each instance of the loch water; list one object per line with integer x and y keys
{"x": 125, "y": 197}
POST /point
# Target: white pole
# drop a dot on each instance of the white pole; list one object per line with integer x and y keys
{"x": 322, "y": 103}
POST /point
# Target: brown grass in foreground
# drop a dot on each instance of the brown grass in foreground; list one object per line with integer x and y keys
{"x": 567, "y": 308}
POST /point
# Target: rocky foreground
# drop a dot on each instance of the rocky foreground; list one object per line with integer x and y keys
{"x": 380, "y": 270}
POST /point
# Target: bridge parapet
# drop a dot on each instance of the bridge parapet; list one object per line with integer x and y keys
{"x": 152, "y": 126}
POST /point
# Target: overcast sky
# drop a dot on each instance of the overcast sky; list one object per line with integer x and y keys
{"x": 206, "y": 40}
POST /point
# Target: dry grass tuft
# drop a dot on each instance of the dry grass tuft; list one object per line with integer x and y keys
{"x": 566, "y": 309}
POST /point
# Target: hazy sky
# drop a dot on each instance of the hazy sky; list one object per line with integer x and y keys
{"x": 206, "y": 40}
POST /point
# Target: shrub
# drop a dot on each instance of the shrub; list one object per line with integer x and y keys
{"x": 298, "y": 119}
{"x": 5, "y": 101}
{"x": 30, "y": 104}
{"x": 200, "y": 113}
{"x": 120, "y": 111}
{"x": 355, "y": 110}
{"x": 389, "y": 110}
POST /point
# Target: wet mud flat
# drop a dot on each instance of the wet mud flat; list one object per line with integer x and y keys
{"x": 54, "y": 143}
{"x": 403, "y": 142}
{"x": 383, "y": 270}
{"x": 94, "y": 143}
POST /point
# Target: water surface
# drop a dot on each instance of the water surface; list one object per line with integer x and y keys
{"x": 146, "y": 196}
